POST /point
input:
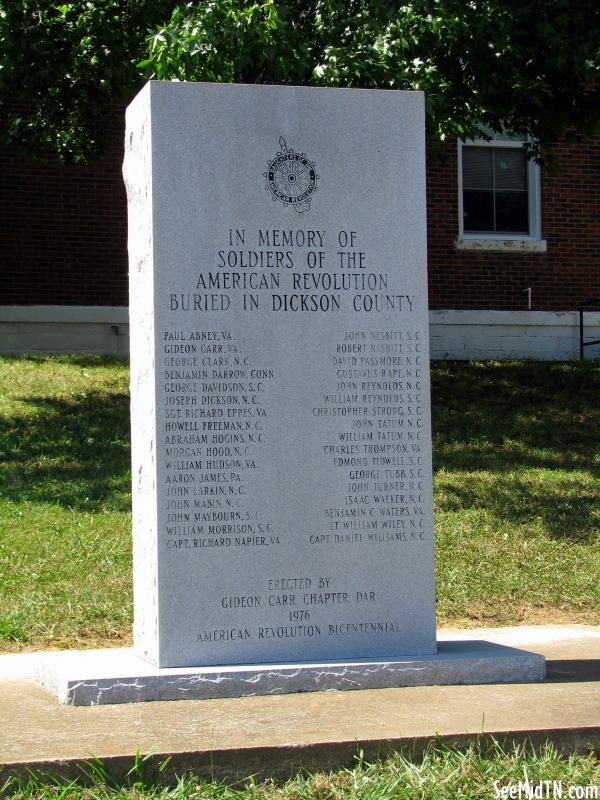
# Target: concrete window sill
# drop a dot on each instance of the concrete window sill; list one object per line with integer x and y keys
{"x": 502, "y": 245}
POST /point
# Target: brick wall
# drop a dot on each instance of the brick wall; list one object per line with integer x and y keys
{"x": 562, "y": 277}
{"x": 63, "y": 230}
{"x": 63, "y": 235}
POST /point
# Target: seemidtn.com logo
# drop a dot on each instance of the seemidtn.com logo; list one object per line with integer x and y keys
{"x": 544, "y": 790}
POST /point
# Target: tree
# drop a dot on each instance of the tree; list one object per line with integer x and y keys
{"x": 61, "y": 64}
{"x": 528, "y": 67}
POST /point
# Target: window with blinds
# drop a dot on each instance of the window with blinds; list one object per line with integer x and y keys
{"x": 495, "y": 190}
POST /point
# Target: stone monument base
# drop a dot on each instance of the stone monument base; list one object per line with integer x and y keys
{"x": 98, "y": 677}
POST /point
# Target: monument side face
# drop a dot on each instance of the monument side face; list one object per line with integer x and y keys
{"x": 280, "y": 378}
{"x": 137, "y": 174}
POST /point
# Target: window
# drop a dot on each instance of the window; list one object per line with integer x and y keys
{"x": 499, "y": 191}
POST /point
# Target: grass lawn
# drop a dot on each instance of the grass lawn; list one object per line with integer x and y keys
{"x": 65, "y": 550}
{"x": 517, "y": 491}
{"x": 441, "y": 775}
{"x": 517, "y": 497}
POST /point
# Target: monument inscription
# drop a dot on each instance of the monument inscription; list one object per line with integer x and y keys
{"x": 280, "y": 385}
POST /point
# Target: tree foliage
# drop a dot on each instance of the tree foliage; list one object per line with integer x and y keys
{"x": 61, "y": 64}
{"x": 529, "y": 67}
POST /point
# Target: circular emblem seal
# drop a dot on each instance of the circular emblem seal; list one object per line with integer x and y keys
{"x": 291, "y": 178}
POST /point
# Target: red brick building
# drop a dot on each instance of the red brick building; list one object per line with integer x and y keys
{"x": 513, "y": 250}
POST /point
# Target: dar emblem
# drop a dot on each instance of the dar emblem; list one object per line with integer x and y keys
{"x": 291, "y": 178}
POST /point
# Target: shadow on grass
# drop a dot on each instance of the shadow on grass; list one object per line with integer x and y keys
{"x": 565, "y": 512}
{"x": 503, "y": 415}
{"x": 69, "y": 359}
{"x": 495, "y": 421}
{"x": 499, "y": 416}
{"x": 72, "y": 452}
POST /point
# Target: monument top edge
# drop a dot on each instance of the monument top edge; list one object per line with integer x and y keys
{"x": 152, "y": 86}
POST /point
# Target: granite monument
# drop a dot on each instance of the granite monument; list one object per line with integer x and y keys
{"x": 280, "y": 385}
{"x": 281, "y": 446}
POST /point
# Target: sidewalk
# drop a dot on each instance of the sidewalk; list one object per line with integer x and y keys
{"x": 276, "y": 735}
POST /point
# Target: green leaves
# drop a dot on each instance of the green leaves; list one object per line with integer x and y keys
{"x": 530, "y": 67}
{"x": 231, "y": 41}
{"x": 525, "y": 67}
{"x": 62, "y": 64}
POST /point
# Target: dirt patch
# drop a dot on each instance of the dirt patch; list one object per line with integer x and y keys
{"x": 58, "y": 643}
{"x": 523, "y": 614}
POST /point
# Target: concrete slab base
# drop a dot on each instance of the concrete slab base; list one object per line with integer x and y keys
{"x": 100, "y": 677}
{"x": 233, "y": 738}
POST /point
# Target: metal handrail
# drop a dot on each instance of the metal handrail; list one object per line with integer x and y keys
{"x": 594, "y": 301}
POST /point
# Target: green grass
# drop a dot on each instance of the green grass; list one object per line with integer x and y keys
{"x": 517, "y": 491}
{"x": 442, "y": 774}
{"x": 65, "y": 552}
{"x": 517, "y": 497}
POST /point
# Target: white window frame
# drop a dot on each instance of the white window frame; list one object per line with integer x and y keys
{"x": 480, "y": 240}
